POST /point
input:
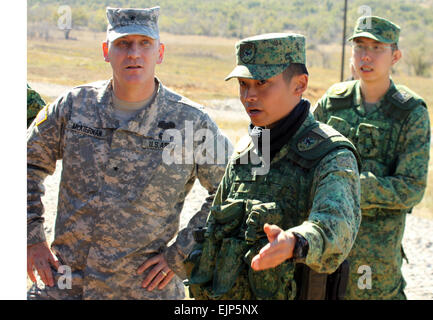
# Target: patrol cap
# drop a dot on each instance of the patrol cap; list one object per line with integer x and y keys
{"x": 267, "y": 55}
{"x": 126, "y": 21}
{"x": 376, "y": 28}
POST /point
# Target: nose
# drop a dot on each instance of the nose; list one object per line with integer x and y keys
{"x": 250, "y": 94}
{"x": 133, "y": 51}
{"x": 366, "y": 55}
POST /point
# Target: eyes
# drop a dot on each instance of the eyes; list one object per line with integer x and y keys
{"x": 373, "y": 48}
{"x": 124, "y": 43}
{"x": 258, "y": 83}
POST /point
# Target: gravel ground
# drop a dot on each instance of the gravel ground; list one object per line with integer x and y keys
{"x": 417, "y": 241}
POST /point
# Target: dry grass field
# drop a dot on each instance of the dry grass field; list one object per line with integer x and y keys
{"x": 195, "y": 66}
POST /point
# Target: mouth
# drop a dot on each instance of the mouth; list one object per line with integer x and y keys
{"x": 366, "y": 69}
{"x": 253, "y": 112}
{"x": 133, "y": 67}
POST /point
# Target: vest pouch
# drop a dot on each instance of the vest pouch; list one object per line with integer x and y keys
{"x": 369, "y": 140}
{"x": 257, "y": 217}
{"x": 342, "y": 126}
{"x": 202, "y": 272}
{"x": 228, "y": 217}
{"x": 272, "y": 284}
{"x": 229, "y": 263}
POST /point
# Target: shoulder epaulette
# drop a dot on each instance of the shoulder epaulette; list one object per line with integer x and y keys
{"x": 340, "y": 95}
{"x": 404, "y": 98}
{"x": 316, "y": 142}
{"x": 341, "y": 90}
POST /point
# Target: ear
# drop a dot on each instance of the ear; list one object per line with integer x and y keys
{"x": 105, "y": 51}
{"x": 160, "y": 53}
{"x": 396, "y": 56}
{"x": 301, "y": 84}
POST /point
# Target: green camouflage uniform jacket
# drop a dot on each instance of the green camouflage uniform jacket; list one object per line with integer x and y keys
{"x": 119, "y": 202}
{"x": 394, "y": 142}
{"x": 34, "y": 104}
{"x": 309, "y": 189}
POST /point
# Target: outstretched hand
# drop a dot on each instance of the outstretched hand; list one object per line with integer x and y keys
{"x": 279, "y": 249}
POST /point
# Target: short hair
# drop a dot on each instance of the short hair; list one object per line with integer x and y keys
{"x": 294, "y": 69}
{"x": 394, "y": 47}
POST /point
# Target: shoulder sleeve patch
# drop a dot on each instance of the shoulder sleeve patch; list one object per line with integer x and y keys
{"x": 309, "y": 141}
{"x": 42, "y": 115}
{"x": 316, "y": 136}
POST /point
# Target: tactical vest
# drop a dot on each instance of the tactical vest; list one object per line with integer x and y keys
{"x": 234, "y": 235}
{"x": 377, "y": 135}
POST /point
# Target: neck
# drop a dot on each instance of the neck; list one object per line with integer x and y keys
{"x": 133, "y": 93}
{"x": 372, "y": 92}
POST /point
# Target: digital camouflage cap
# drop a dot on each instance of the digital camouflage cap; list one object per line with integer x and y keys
{"x": 123, "y": 22}
{"x": 376, "y": 28}
{"x": 267, "y": 55}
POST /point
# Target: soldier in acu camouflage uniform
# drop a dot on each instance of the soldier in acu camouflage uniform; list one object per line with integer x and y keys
{"x": 389, "y": 124}
{"x": 296, "y": 216}
{"x": 119, "y": 199}
{"x": 34, "y": 104}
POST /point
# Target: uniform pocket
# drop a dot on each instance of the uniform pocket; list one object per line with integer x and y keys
{"x": 258, "y": 216}
{"x": 369, "y": 140}
{"x": 342, "y": 126}
{"x": 228, "y": 265}
{"x": 272, "y": 284}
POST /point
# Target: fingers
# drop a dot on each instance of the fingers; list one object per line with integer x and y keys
{"x": 54, "y": 262}
{"x": 44, "y": 271}
{"x": 149, "y": 262}
{"x": 272, "y": 231}
{"x": 276, "y": 252}
{"x": 159, "y": 276}
{"x": 39, "y": 257}
{"x": 166, "y": 280}
{"x": 30, "y": 271}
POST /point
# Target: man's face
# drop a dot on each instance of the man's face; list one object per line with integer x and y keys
{"x": 267, "y": 101}
{"x": 133, "y": 59}
{"x": 373, "y": 59}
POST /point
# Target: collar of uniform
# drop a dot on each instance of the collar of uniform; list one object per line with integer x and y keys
{"x": 139, "y": 124}
{"x": 309, "y": 120}
{"x": 104, "y": 101}
{"x": 357, "y": 97}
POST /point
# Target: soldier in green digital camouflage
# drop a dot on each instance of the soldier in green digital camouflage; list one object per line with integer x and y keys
{"x": 389, "y": 124}
{"x": 34, "y": 104}
{"x": 287, "y": 208}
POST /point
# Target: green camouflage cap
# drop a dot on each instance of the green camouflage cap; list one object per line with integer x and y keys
{"x": 126, "y": 21}
{"x": 376, "y": 28}
{"x": 267, "y": 55}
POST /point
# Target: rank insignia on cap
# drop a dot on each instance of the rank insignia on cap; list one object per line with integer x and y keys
{"x": 247, "y": 52}
{"x": 402, "y": 96}
{"x": 42, "y": 115}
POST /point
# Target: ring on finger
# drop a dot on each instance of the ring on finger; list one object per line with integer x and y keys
{"x": 164, "y": 273}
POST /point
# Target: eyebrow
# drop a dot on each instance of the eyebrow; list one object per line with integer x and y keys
{"x": 363, "y": 41}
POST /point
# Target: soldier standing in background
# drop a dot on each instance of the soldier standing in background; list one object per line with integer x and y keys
{"x": 119, "y": 200}
{"x": 268, "y": 232}
{"x": 34, "y": 104}
{"x": 389, "y": 125}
